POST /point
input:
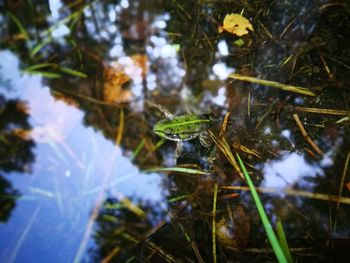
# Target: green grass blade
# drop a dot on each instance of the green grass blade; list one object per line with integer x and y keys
{"x": 266, "y": 223}
{"x": 283, "y": 241}
{"x": 19, "y": 25}
{"x": 138, "y": 149}
{"x": 40, "y": 46}
{"x": 40, "y": 66}
{"x": 177, "y": 169}
{"x": 177, "y": 198}
{"x": 44, "y": 74}
{"x": 73, "y": 72}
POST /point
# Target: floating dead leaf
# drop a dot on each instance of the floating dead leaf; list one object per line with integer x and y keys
{"x": 236, "y": 24}
{"x": 114, "y": 78}
{"x": 233, "y": 231}
{"x": 121, "y": 71}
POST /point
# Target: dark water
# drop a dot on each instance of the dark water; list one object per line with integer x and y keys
{"x": 78, "y": 84}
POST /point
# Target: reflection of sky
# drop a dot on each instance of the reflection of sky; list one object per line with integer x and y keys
{"x": 291, "y": 169}
{"x": 72, "y": 162}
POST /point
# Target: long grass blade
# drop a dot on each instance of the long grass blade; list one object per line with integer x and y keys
{"x": 18, "y": 23}
{"x": 273, "y": 84}
{"x": 44, "y": 74}
{"x": 138, "y": 149}
{"x": 292, "y": 192}
{"x": 283, "y": 241}
{"x": 40, "y": 46}
{"x": 40, "y": 66}
{"x": 73, "y": 72}
{"x": 177, "y": 169}
{"x": 266, "y": 223}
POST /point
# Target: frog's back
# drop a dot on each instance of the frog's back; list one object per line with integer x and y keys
{"x": 182, "y": 128}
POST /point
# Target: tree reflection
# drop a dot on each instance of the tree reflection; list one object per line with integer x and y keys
{"x": 122, "y": 228}
{"x": 15, "y": 149}
{"x": 8, "y": 197}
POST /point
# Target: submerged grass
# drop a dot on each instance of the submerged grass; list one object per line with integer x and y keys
{"x": 293, "y": 192}
{"x": 273, "y": 84}
{"x": 138, "y": 149}
{"x": 49, "y": 70}
{"x": 177, "y": 169}
{"x": 215, "y": 196}
{"x": 223, "y": 146}
{"x": 19, "y": 25}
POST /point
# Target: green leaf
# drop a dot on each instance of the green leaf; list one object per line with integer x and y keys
{"x": 239, "y": 42}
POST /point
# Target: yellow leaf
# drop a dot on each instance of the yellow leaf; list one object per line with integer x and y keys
{"x": 236, "y": 24}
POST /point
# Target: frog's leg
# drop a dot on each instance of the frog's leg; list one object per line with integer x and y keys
{"x": 207, "y": 142}
{"x": 212, "y": 154}
{"x": 205, "y": 139}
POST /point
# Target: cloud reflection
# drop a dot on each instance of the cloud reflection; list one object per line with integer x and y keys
{"x": 292, "y": 168}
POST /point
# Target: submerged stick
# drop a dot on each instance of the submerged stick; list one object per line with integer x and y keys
{"x": 293, "y": 192}
{"x": 322, "y": 111}
{"x": 273, "y": 84}
{"x": 214, "y": 221}
{"x": 344, "y": 173}
{"x": 306, "y": 135}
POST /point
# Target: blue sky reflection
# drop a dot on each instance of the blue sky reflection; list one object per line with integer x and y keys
{"x": 73, "y": 164}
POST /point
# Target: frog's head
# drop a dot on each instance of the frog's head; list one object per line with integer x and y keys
{"x": 163, "y": 129}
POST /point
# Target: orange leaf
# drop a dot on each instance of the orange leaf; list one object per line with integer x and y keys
{"x": 114, "y": 78}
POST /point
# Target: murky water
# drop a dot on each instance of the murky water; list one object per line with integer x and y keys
{"x": 83, "y": 82}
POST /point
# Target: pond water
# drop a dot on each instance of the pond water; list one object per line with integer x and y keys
{"x": 83, "y": 176}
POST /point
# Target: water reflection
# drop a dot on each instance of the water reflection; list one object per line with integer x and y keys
{"x": 73, "y": 166}
{"x": 291, "y": 169}
{"x": 83, "y": 129}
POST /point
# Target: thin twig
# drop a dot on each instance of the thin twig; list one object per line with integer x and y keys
{"x": 322, "y": 111}
{"x": 273, "y": 84}
{"x": 330, "y": 75}
{"x": 214, "y": 221}
{"x": 306, "y": 135}
{"x": 345, "y": 170}
{"x": 292, "y": 192}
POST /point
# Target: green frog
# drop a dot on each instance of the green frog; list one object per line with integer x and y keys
{"x": 183, "y": 128}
